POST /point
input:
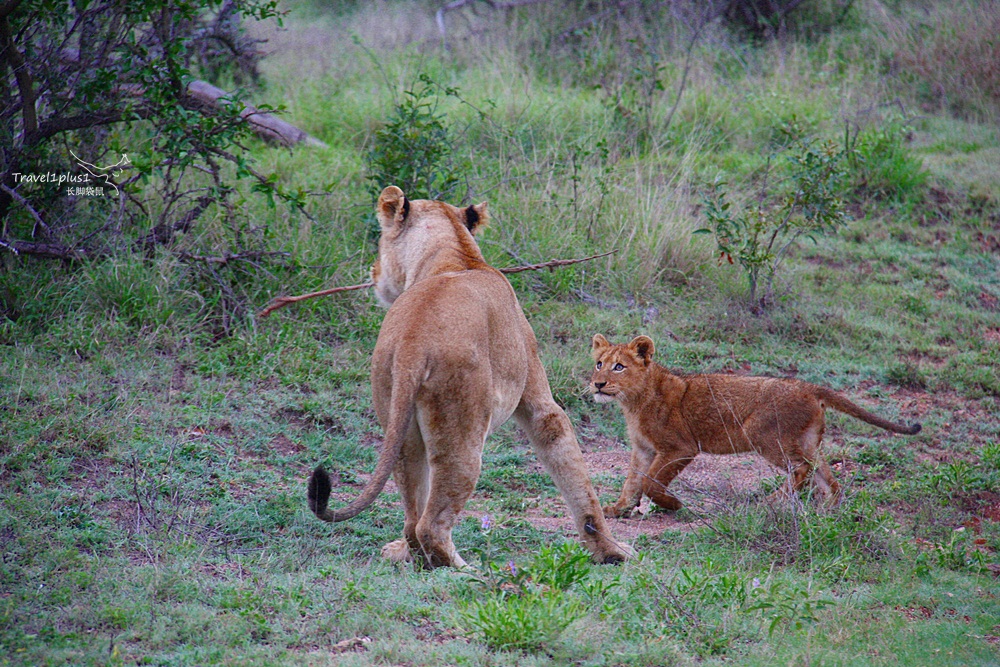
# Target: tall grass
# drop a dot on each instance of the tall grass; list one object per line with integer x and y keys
{"x": 950, "y": 52}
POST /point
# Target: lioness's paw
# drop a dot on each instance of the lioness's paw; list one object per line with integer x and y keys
{"x": 397, "y": 551}
{"x": 618, "y": 555}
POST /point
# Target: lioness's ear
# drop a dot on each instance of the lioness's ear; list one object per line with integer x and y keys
{"x": 643, "y": 347}
{"x": 392, "y": 207}
{"x": 476, "y": 217}
{"x": 599, "y": 343}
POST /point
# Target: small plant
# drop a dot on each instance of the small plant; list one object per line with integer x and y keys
{"x": 991, "y": 456}
{"x": 783, "y": 603}
{"x": 528, "y": 607}
{"x": 527, "y": 621}
{"x": 760, "y": 236}
{"x": 955, "y": 478}
{"x": 960, "y": 552}
{"x": 880, "y": 164}
{"x": 414, "y": 148}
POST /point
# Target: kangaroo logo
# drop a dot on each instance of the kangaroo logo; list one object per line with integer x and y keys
{"x": 105, "y": 173}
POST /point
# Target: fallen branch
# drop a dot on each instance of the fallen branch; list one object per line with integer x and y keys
{"x": 265, "y": 125}
{"x": 551, "y": 264}
{"x": 225, "y": 259}
{"x": 39, "y": 223}
{"x": 282, "y": 301}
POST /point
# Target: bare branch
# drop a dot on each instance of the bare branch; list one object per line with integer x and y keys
{"x": 551, "y": 264}
{"x": 163, "y": 233}
{"x": 282, "y": 301}
{"x": 39, "y": 223}
{"x": 48, "y": 250}
{"x": 225, "y": 259}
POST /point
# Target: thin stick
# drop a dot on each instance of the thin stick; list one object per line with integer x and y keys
{"x": 553, "y": 263}
{"x": 282, "y": 301}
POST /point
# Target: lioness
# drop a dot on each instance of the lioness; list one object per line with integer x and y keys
{"x": 455, "y": 358}
{"x": 671, "y": 418}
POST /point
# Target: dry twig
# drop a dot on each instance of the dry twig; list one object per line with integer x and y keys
{"x": 282, "y": 301}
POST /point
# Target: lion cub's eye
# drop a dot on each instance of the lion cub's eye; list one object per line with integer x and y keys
{"x": 618, "y": 368}
{"x": 599, "y": 364}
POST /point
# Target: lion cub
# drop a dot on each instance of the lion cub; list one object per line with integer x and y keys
{"x": 671, "y": 418}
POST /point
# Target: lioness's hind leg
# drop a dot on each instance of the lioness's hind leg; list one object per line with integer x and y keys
{"x": 454, "y": 443}
{"x": 552, "y": 437}
{"x": 410, "y": 475}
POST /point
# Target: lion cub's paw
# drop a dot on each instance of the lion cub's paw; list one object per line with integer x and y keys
{"x": 397, "y": 551}
{"x": 612, "y": 512}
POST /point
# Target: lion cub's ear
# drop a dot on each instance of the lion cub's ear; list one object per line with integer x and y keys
{"x": 392, "y": 207}
{"x": 643, "y": 348}
{"x": 600, "y": 344}
{"x": 476, "y": 217}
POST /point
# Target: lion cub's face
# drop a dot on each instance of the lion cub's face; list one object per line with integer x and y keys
{"x": 619, "y": 369}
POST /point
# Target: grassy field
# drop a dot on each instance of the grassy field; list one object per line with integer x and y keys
{"x": 155, "y": 436}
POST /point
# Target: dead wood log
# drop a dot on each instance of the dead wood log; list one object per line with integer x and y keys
{"x": 266, "y": 125}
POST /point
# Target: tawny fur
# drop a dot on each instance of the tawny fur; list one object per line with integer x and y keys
{"x": 672, "y": 418}
{"x": 455, "y": 359}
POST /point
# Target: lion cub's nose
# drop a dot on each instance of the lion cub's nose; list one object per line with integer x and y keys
{"x": 600, "y": 385}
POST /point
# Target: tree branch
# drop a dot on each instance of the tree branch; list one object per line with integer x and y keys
{"x": 225, "y": 259}
{"x": 48, "y": 250}
{"x": 39, "y": 223}
{"x": 25, "y": 84}
{"x": 282, "y": 301}
{"x": 7, "y": 8}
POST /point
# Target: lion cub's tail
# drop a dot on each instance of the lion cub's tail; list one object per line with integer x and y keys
{"x": 832, "y": 399}
{"x": 401, "y": 411}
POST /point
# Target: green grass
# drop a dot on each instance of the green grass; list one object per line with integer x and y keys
{"x": 155, "y": 436}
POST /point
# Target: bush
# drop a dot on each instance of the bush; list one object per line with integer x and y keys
{"x": 413, "y": 150}
{"x": 759, "y": 236}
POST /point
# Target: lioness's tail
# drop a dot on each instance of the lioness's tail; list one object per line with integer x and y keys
{"x": 834, "y": 400}
{"x": 401, "y": 409}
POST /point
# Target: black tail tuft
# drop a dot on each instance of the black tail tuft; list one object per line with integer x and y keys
{"x": 319, "y": 491}
{"x": 914, "y": 429}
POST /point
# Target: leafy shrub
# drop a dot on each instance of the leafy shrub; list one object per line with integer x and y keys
{"x": 414, "y": 148}
{"x": 956, "y": 478}
{"x": 527, "y": 621}
{"x": 759, "y": 236}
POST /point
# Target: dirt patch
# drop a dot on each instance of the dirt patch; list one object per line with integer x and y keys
{"x": 285, "y": 446}
{"x": 708, "y": 483}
